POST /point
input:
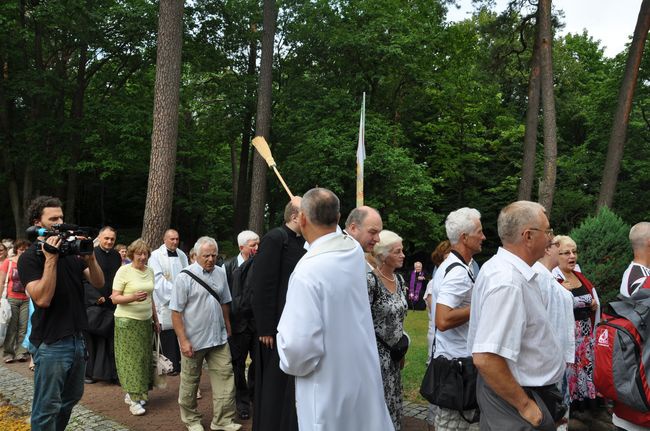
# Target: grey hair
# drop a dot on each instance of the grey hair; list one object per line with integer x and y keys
{"x": 321, "y": 206}
{"x": 387, "y": 238}
{"x": 245, "y": 236}
{"x": 640, "y": 234}
{"x": 459, "y": 222}
{"x": 203, "y": 241}
{"x": 514, "y": 217}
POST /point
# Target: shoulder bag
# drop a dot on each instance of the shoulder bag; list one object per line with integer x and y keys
{"x": 162, "y": 365}
{"x": 451, "y": 383}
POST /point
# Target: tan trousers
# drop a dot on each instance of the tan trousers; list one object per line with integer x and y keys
{"x": 222, "y": 382}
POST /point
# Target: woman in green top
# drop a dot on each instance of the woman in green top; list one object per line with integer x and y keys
{"x": 133, "y": 293}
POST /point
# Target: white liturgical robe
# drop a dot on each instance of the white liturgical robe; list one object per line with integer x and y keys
{"x": 326, "y": 339}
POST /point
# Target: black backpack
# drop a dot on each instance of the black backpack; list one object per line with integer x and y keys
{"x": 242, "y": 289}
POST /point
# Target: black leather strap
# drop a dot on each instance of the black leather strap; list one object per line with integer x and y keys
{"x": 204, "y": 284}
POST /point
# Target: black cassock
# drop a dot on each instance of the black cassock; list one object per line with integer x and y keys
{"x": 275, "y": 405}
{"x": 100, "y": 335}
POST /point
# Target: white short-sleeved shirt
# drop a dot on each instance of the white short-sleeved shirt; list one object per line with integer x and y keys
{"x": 508, "y": 318}
{"x": 453, "y": 289}
{"x": 559, "y": 305}
{"x": 202, "y": 315}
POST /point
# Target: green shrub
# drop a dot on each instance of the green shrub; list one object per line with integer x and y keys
{"x": 604, "y": 251}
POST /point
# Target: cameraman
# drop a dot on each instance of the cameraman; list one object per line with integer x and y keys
{"x": 54, "y": 283}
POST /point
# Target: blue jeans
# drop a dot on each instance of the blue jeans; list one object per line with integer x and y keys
{"x": 58, "y": 382}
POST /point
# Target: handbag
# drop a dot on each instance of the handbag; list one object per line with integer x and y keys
{"x": 5, "y": 310}
{"x": 398, "y": 351}
{"x": 162, "y": 365}
{"x": 451, "y": 383}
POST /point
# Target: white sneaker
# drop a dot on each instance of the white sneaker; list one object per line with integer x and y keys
{"x": 199, "y": 395}
{"x": 127, "y": 401}
{"x": 230, "y": 427}
{"x": 136, "y": 409}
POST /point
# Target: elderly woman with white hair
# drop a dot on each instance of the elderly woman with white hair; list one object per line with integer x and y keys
{"x": 387, "y": 295}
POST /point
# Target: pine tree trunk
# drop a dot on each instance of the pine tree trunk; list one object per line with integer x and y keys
{"x": 263, "y": 121}
{"x": 77, "y": 114}
{"x": 547, "y": 185}
{"x": 243, "y": 184}
{"x": 532, "y": 123}
{"x": 160, "y": 188}
{"x": 623, "y": 108}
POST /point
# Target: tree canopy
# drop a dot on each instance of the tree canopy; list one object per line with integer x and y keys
{"x": 445, "y": 113}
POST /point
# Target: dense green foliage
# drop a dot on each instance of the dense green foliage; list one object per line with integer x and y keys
{"x": 604, "y": 251}
{"x": 445, "y": 111}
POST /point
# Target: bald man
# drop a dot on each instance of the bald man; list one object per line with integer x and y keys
{"x": 167, "y": 261}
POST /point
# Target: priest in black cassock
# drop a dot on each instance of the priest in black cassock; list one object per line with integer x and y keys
{"x": 100, "y": 309}
{"x": 279, "y": 252}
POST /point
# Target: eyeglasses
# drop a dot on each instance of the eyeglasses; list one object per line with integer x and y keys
{"x": 568, "y": 252}
{"x": 555, "y": 244}
{"x": 548, "y": 231}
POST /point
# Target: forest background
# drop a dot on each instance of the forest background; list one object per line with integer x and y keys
{"x": 446, "y": 109}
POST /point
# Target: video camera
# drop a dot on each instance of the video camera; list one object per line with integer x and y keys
{"x": 70, "y": 244}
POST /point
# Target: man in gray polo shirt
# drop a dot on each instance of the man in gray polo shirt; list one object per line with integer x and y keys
{"x": 202, "y": 325}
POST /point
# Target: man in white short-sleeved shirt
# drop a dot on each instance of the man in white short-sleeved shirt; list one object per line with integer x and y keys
{"x": 513, "y": 345}
{"x": 202, "y": 323}
{"x": 452, "y": 284}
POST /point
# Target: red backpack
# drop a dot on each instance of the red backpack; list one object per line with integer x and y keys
{"x": 621, "y": 356}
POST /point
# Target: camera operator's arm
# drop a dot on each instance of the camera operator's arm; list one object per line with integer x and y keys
{"x": 93, "y": 273}
{"x": 42, "y": 290}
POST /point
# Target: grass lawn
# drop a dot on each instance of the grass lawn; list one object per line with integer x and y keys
{"x": 417, "y": 326}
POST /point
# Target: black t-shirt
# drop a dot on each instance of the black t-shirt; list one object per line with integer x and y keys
{"x": 66, "y": 314}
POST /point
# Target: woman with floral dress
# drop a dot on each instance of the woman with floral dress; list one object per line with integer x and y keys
{"x": 580, "y": 374}
{"x": 387, "y": 296}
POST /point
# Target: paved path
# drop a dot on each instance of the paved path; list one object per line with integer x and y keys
{"x": 102, "y": 407}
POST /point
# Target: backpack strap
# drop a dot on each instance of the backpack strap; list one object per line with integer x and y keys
{"x": 637, "y": 311}
{"x": 204, "y": 284}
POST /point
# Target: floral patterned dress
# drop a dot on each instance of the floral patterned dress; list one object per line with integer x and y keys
{"x": 580, "y": 374}
{"x": 388, "y": 313}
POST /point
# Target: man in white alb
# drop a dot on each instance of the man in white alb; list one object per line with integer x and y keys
{"x": 167, "y": 261}
{"x": 325, "y": 335}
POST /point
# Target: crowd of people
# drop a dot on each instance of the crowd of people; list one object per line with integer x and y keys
{"x": 318, "y": 313}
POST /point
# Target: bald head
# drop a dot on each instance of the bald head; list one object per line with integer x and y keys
{"x": 171, "y": 239}
{"x": 364, "y": 224}
{"x": 640, "y": 235}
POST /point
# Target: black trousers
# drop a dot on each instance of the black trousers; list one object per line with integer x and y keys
{"x": 275, "y": 394}
{"x": 170, "y": 348}
{"x": 242, "y": 345}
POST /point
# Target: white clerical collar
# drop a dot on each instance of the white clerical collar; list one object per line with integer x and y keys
{"x": 240, "y": 259}
{"x": 321, "y": 239}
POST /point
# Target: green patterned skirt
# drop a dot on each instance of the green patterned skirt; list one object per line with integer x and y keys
{"x": 133, "y": 356}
